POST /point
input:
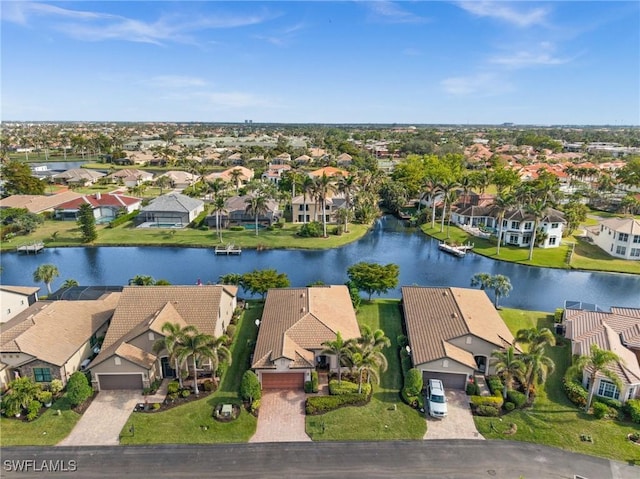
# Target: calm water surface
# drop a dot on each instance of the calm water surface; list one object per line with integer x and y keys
{"x": 420, "y": 261}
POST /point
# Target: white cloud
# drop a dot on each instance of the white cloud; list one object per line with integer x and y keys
{"x": 481, "y": 84}
{"x": 282, "y": 37}
{"x": 541, "y": 54}
{"x": 390, "y": 12}
{"x": 175, "y": 81}
{"x": 507, "y": 12}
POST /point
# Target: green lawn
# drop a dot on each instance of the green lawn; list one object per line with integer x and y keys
{"x": 554, "y": 420}
{"x": 386, "y": 417}
{"x": 182, "y": 424}
{"x": 47, "y": 430}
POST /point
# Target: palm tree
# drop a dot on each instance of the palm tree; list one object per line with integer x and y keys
{"x": 235, "y": 175}
{"x": 445, "y": 187}
{"x": 216, "y": 187}
{"x": 340, "y": 349}
{"x": 256, "y": 206}
{"x": 536, "y": 209}
{"x": 163, "y": 182}
{"x": 219, "y": 207}
{"x": 368, "y": 361}
{"x": 535, "y": 338}
{"x": 450, "y": 198}
{"x": 174, "y": 338}
{"x": 481, "y": 279}
{"x": 370, "y": 339}
{"x": 509, "y": 367}
{"x": 597, "y": 363}
{"x": 198, "y": 346}
{"x": 537, "y": 366}
{"x": 324, "y": 186}
{"x": 503, "y": 203}
{"x": 307, "y": 190}
{"x": 69, "y": 283}
{"x": 142, "y": 280}
{"x": 501, "y": 286}
{"x": 347, "y": 185}
{"x": 46, "y": 273}
{"x": 431, "y": 190}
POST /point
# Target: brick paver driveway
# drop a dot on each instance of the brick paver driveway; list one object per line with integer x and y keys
{"x": 102, "y": 422}
{"x": 459, "y": 422}
{"x": 281, "y": 417}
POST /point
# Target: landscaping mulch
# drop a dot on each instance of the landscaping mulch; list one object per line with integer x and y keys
{"x": 179, "y": 401}
{"x": 81, "y": 408}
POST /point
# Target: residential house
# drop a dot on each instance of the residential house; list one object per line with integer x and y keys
{"x": 130, "y": 177}
{"x": 282, "y": 159}
{"x": 517, "y": 228}
{"x": 452, "y": 333}
{"x": 344, "y": 159}
{"x": 274, "y": 173}
{"x": 620, "y": 237}
{"x": 303, "y": 160}
{"x": 38, "y": 203}
{"x": 106, "y": 206}
{"x": 330, "y": 171}
{"x": 236, "y": 214}
{"x": 173, "y": 210}
{"x": 306, "y": 209}
{"x": 15, "y": 299}
{"x": 78, "y": 177}
{"x": 617, "y": 331}
{"x": 295, "y": 322}
{"x": 128, "y": 360}
{"x": 180, "y": 179}
{"x": 53, "y": 339}
{"x": 245, "y": 175}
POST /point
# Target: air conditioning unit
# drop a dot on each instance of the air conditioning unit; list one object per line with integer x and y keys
{"x": 84, "y": 364}
{"x": 96, "y": 349}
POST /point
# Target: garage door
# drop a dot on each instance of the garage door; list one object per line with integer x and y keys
{"x": 449, "y": 380}
{"x": 283, "y": 381}
{"x": 120, "y": 381}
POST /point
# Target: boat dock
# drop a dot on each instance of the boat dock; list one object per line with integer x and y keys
{"x": 456, "y": 250}
{"x": 34, "y": 248}
{"x": 228, "y": 249}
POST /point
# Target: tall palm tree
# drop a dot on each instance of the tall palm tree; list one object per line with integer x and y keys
{"x": 46, "y": 273}
{"x": 501, "y": 286}
{"x": 219, "y": 207}
{"x": 445, "y": 187}
{"x": 597, "y": 363}
{"x": 450, "y": 198}
{"x": 198, "y": 346}
{"x": 235, "y": 175}
{"x": 503, "y": 203}
{"x": 431, "y": 189}
{"x": 509, "y": 367}
{"x": 483, "y": 280}
{"x": 368, "y": 361}
{"x": 163, "y": 182}
{"x": 216, "y": 187}
{"x": 324, "y": 186}
{"x": 174, "y": 339}
{"x": 347, "y": 185}
{"x": 536, "y": 208}
{"x": 535, "y": 338}
{"x": 256, "y": 206}
{"x": 69, "y": 283}
{"x": 340, "y": 349}
{"x": 537, "y": 366}
{"x": 307, "y": 191}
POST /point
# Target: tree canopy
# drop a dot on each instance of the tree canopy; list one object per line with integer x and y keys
{"x": 87, "y": 223}
{"x": 373, "y": 278}
{"x": 261, "y": 281}
{"x": 18, "y": 179}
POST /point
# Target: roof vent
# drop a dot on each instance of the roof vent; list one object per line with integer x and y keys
{"x": 302, "y": 310}
{"x": 302, "y": 295}
{"x": 445, "y": 293}
{"x": 454, "y": 315}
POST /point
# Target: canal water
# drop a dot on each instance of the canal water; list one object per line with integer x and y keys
{"x": 420, "y": 262}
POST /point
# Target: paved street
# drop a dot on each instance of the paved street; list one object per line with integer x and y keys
{"x": 443, "y": 459}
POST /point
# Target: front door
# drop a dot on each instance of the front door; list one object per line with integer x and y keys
{"x": 167, "y": 370}
{"x": 481, "y": 362}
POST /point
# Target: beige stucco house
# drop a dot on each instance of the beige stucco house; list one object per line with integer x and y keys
{"x": 295, "y": 322}
{"x": 15, "y": 299}
{"x": 127, "y": 359}
{"x": 452, "y": 333}
{"x": 620, "y": 237}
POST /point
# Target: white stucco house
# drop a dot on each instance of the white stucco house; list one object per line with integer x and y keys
{"x": 620, "y": 237}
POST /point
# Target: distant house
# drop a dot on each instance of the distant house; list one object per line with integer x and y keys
{"x": 130, "y": 177}
{"x": 38, "y": 203}
{"x": 78, "y": 177}
{"x": 452, "y": 333}
{"x": 304, "y": 210}
{"x": 244, "y": 176}
{"x": 330, "y": 171}
{"x": 281, "y": 159}
{"x": 180, "y": 179}
{"x": 128, "y": 360}
{"x": 295, "y": 322}
{"x": 620, "y": 237}
{"x": 344, "y": 159}
{"x": 303, "y": 160}
{"x": 617, "y": 331}
{"x": 274, "y": 173}
{"x": 173, "y": 210}
{"x": 106, "y": 206}
{"x": 15, "y": 299}
{"x": 236, "y": 214}
{"x": 53, "y": 339}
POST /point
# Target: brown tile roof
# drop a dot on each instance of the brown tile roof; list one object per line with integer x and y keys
{"x": 435, "y": 316}
{"x": 25, "y": 290}
{"x": 135, "y": 355}
{"x": 297, "y": 320}
{"x": 54, "y": 330}
{"x": 142, "y": 308}
{"x": 38, "y": 203}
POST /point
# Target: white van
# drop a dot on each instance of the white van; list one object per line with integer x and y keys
{"x": 436, "y": 400}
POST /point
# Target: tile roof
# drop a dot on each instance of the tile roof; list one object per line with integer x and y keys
{"x": 329, "y": 171}
{"x": 38, "y": 203}
{"x": 24, "y": 290}
{"x": 623, "y": 225}
{"x": 53, "y": 331}
{"x": 297, "y": 320}
{"x": 100, "y": 199}
{"x": 435, "y": 316}
{"x": 79, "y": 173}
{"x": 173, "y": 202}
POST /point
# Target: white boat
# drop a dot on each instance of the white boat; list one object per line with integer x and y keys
{"x": 456, "y": 250}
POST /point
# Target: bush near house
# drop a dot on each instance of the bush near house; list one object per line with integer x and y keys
{"x": 576, "y": 393}
{"x": 517, "y": 398}
{"x": 494, "y": 401}
{"x": 322, "y": 404}
{"x": 487, "y": 410}
{"x": 347, "y": 387}
{"x": 600, "y": 410}
{"x": 78, "y": 388}
{"x": 472, "y": 389}
{"x": 632, "y": 408}
{"x": 495, "y": 385}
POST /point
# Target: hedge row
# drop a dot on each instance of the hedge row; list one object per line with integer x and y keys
{"x": 347, "y": 387}
{"x": 495, "y": 401}
{"x": 122, "y": 219}
{"x": 575, "y": 392}
{"x": 632, "y": 408}
{"x": 322, "y": 404}
{"x": 495, "y": 385}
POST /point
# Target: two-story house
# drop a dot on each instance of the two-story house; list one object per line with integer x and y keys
{"x": 620, "y": 237}
{"x": 517, "y": 228}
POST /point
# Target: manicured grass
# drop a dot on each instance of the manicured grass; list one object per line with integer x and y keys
{"x": 182, "y": 424}
{"x": 554, "y": 420}
{"x": 589, "y": 256}
{"x": 386, "y": 417}
{"x": 47, "y": 430}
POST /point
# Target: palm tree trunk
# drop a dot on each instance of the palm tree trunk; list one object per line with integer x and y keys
{"x": 256, "y": 224}
{"x": 444, "y": 210}
{"x": 433, "y": 212}
{"x": 324, "y": 217}
{"x": 178, "y": 373}
{"x": 195, "y": 377}
{"x": 533, "y": 239}
{"x": 592, "y": 390}
{"x": 499, "y": 236}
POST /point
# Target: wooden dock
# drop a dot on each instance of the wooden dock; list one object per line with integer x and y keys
{"x": 34, "y": 248}
{"x": 456, "y": 250}
{"x": 228, "y": 249}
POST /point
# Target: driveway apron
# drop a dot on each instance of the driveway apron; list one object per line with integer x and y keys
{"x": 281, "y": 417}
{"x": 102, "y": 422}
{"x": 459, "y": 422}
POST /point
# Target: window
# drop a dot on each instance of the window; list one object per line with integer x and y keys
{"x": 631, "y": 393}
{"x": 608, "y": 389}
{"x": 445, "y": 363}
{"x": 151, "y": 336}
{"x": 513, "y": 239}
{"x": 635, "y": 252}
{"x": 515, "y": 225}
{"x": 621, "y": 250}
{"x": 117, "y": 361}
{"x": 469, "y": 339}
{"x": 623, "y": 237}
{"x": 528, "y": 225}
{"x": 554, "y": 225}
{"x": 636, "y": 239}
{"x": 552, "y": 240}
{"x": 42, "y": 375}
{"x": 8, "y": 310}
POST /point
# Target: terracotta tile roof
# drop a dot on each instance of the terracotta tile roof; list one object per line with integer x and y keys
{"x": 38, "y": 203}
{"x": 297, "y": 320}
{"x": 53, "y": 331}
{"x": 434, "y": 316}
{"x": 100, "y": 199}
{"x": 329, "y": 171}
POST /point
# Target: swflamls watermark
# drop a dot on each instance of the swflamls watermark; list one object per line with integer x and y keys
{"x": 44, "y": 465}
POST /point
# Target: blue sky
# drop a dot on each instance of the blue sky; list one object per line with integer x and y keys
{"x": 326, "y": 62}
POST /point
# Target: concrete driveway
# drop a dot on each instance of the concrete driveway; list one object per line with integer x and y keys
{"x": 281, "y": 417}
{"x": 459, "y": 422}
{"x": 102, "y": 422}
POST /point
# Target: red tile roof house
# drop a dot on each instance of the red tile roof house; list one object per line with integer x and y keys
{"x": 295, "y": 322}
{"x": 127, "y": 359}
{"x": 617, "y": 331}
{"x": 106, "y": 206}
{"x": 452, "y": 333}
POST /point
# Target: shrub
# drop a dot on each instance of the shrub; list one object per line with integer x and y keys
{"x": 495, "y": 401}
{"x": 495, "y": 385}
{"x": 78, "y": 388}
{"x": 185, "y": 393}
{"x": 413, "y": 382}
{"x": 173, "y": 387}
{"x": 487, "y": 410}
{"x": 557, "y": 316}
{"x": 208, "y": 385}
{"x": 347, "y": 387}
{"x": 610, "y": 402}
{"x": 255, "y": 405}
{"x": 517, "y": 398}
{"x": 311, "y": 230}
{"x": 600, "y": 410}
{"x": 172, "y": 396}
{"x": 413, "y": 401}
{"x": 155, "y": 406}
{"x": 279, "y": 224}
{"x": 231, "y": 329}
{"x": 198, "y": 221}
{"x": 575, "y": 392}
{"x": 120, "y": 220}
{"x": 403, "y": 341}
{"x": 632, "y": 408}
{"x": 509, "y": 406}
{"x": 472, "y": 389}
{"x": 45, "y": 397}
{"x": 308, "y": 387}
{"x": 337, "y": 230}
{"x": 236, "y": 228}
{"x": 322, "y": 404}
{"x": 314, "y": 381}
{"x": 55, "y": 386}
{"x": 33, "y": 409}
{"x": 250, "y": 386}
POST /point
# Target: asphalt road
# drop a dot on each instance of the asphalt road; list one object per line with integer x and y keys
{"x": 446, "y": 459}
